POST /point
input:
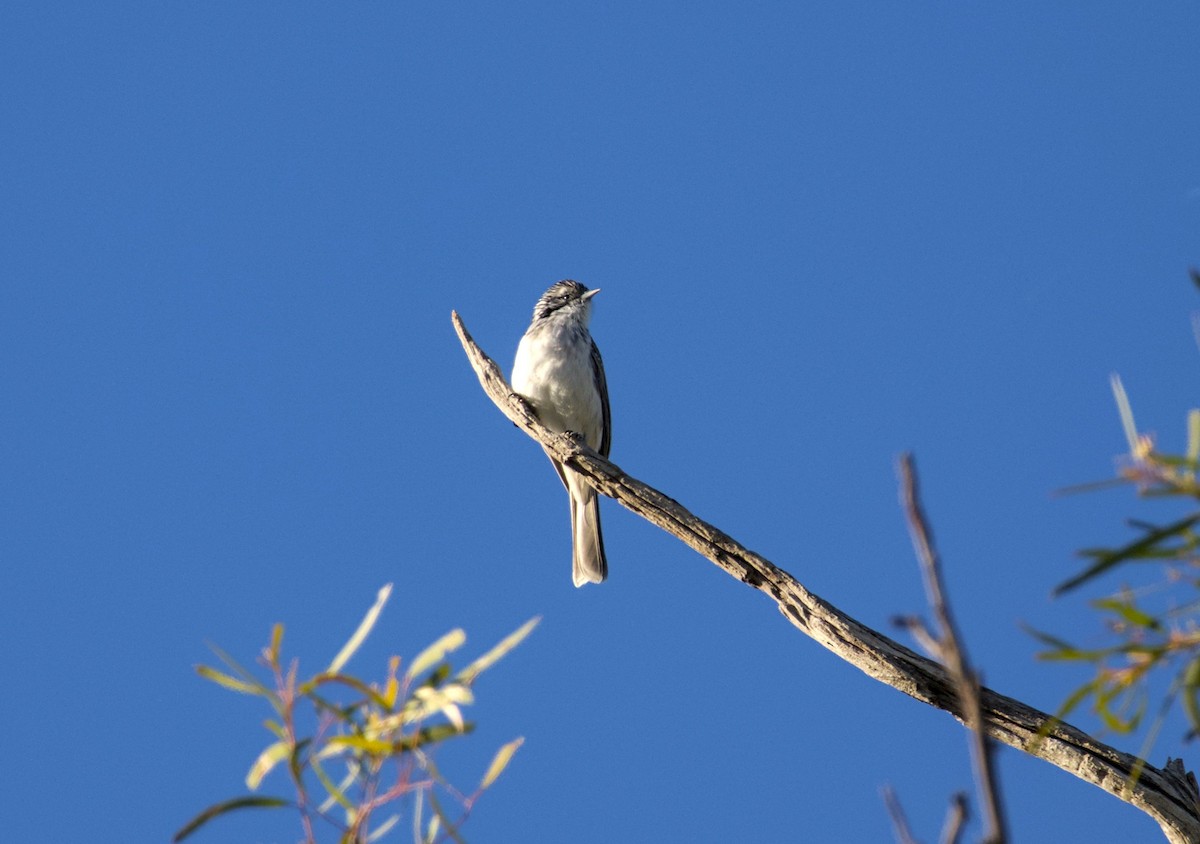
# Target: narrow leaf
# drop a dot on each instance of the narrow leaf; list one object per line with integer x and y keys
{"x": 1075, "y": 698}
{"x": 418, "y": 812}
{"x": 223, "y": 679}
{"x": 1104, "y": 563}
{"x": 392, "y": 688}
{"x": 1128, "y": 612}
{"x": 377, "y": 747}
{"x": 360, "y": 634}
{"x": 431, "y": 735}
{"x": 1073, "y": 655}
{"x": 1064, "y": 650}
{"x": 276, "y": 645}
{"x": 1123, "y": 407}
{"x": 503, "y": 756}
{"x": 1193, "y": 450}
{"x": 1048, "y": 639}
{"x": 441, "y": 816}
{"x": 436, "y": 652}
{"x": 468, "y": 674}
{"x": 246, "y": 676}
{"x": 1173, "y": 460}
{"x": 346, "y": 680}
{"x": 266, "y": 760}
{"x": 1114, "y": 720}
{"x": 337, "y": 793}
{"x": 228, "y": 806}
{"x": 385, "y": 747}
{"x": 384, "y": 828}
{"x": 1191, "y": 680}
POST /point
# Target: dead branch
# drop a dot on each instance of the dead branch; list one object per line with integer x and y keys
{"x": 1165, "y": 795}
{"x": 950, "y": 651}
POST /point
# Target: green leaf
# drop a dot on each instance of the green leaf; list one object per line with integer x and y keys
{"x": 267, "y": 760}
{"x": 345, "y": 680}
{"x": 1191, "y": 681}
{"x": 468, "y": 674}
{"x": 1115, "y": 721}
{"x": 436, "y": 652}
{"x": 1193, "y": 449}
{"x": 437, "y": 676}
{"x": 276, "y": 644}
{"x": 441, "y": 816}
{"x": 388, "y": 747}
{"x": 336, "y": 792}
{"x": 503, "y": 756}
{"x": 432, "y": 735}
{"x": 1177, "y": 461}
{"x": 249, "y": 802}
{"x": 1047, "y": 638}
{"x": 296, "y": 763}
{"x": 1128, "y": 612}
{"x": 1075, "y": 698}
{"x": 1073, "y": 655}
{"x": 1062, "y": 650}
{"x": 1107, "y": 560}
{"x": 376, "y": 747}
{"x": 364, "y": 628}
{"x": 1091, "y": 486}
{"x": 246, "y": 676}
{"x": 223, "y": 679}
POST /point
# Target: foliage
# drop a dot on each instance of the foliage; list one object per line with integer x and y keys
{"x": 1151, "y": 631}
{"x": 370, "y": 745}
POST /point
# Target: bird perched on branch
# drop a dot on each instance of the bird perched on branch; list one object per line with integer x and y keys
{"x": 558, "y": 370}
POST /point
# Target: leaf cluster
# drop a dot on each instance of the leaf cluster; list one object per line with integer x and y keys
{"x": 351, "y": 748}
{"x": 1153, "y": 630}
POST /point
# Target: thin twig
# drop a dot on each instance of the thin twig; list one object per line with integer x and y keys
{"x": 1165, "y": 795}
{"x": 896, "y": 813}
{"x": 916, "y": 628}
{"x": 952, "y": 654}
{"x": 956, "y": 819}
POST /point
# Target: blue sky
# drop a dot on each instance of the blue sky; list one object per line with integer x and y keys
{"x": 825, "y": 233}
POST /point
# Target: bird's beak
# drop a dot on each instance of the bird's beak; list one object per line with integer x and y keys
{"x": 591, "y": 293}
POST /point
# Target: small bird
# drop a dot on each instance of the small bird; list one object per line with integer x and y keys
{"x": 559, "y": 372}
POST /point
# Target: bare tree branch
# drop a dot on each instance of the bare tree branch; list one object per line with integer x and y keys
{"x": 951, "y": 652}
{"x": 1165, "y": 795}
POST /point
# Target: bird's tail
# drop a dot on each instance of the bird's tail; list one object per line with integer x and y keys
{"x": 589, "y": 564}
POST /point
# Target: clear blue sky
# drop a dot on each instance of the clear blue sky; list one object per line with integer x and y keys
{"x": 233, "y": 234}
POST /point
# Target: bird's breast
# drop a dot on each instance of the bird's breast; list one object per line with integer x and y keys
{"x": 553, "y": 371}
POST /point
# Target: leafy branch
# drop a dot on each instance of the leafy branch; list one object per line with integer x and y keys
{"x": 351, "y": 748}
{"x": 1152, "y": 630}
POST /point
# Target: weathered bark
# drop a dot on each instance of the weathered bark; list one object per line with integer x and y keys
{"x": 1169, "y": 795}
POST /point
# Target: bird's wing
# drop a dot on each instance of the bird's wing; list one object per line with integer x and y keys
{"x": 602, "y": 388}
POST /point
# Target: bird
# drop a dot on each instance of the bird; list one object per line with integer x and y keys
{"x": 559, "y": 372}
